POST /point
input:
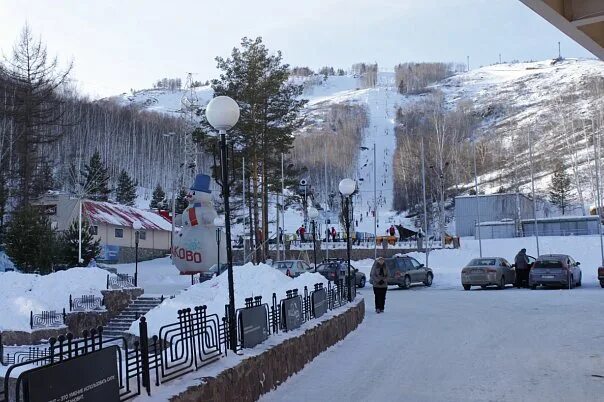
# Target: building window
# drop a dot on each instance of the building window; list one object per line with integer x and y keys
{"x": 119, "y": 233}
{"x": 94, "y": 230}
{"x": 142, "y": 235}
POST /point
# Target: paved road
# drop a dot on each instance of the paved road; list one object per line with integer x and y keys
{"x": 444, "y": 344}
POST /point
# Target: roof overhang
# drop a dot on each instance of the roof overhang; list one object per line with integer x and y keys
{"x": 581, "y": 20}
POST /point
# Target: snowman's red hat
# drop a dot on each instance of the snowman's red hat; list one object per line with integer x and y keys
{"x": 202, "y": 183}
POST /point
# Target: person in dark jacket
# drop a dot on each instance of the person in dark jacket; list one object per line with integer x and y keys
{"x": 522, "y": 268}
{"x": 379, "y": 279}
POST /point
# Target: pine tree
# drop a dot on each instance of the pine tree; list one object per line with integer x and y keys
{"x": 96, "y": 179}
{"x": 270, "y": 113}
{"x": 30, "y": 241}
{"x": 560, "y": 188}
{"x": 125, "y": 193}
{"x": 181, "y": 201}
{"x": 158, "y": 201}
{"x": 91, "y": 248}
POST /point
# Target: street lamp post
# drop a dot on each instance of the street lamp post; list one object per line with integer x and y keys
{"x": 219, "y": 223}
{"x": 347, "y": 187}
{"x": 313, "y": 214}
{"x": 137, "y": 226}
{"x": 223, "y": 113}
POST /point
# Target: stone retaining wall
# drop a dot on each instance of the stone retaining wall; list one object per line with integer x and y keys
{"x": 126, "y": 255}
{"x": 260, "y": 374}
{"x": 116, "y": 300}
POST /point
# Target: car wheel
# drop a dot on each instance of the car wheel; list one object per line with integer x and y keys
{"x": 483, "y": 286}
{"x": 501, "y": 283}
{"x": 572, "y": 282}
{"x": 580, "y": 278}
{"x": 533, "y": 287}
{"x": 362, "y": 283}
{"x": 428, "y": 281}
{"x": 602, "y": 284}
{"x": 407, "y": 282}
{"x": 467, "y": 287}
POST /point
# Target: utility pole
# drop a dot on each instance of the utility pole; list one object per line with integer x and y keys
{"x": 533, "y": 191}
{"x": 283, "y": 197}
{"x": 426, "y": 248}
{"x": 374, "y": 203}
{"x": 599, "y": 200}
{"x": 559, "y": 51}
{"x": 477, "y": 204}
{"x": 468, "y": 57}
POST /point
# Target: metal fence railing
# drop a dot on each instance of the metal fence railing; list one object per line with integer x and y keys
{"x": 195, "y": 340}
{"x": 86, "y": 303}
{"x": 120, "y": 281}
{"x": 46, "y": 319}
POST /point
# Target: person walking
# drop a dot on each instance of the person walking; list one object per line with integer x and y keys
{"x": 302, "y": 232}
{"x": 379, "y": 280}
{"x": 522, "y": 268}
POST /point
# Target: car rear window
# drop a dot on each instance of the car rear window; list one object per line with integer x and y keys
{"x": 482, "y": 261}
{"x": 285, "y": 265}
{"x": 548, "y": 264}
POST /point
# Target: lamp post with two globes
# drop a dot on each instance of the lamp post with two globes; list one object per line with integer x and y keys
{"x": 223, "y": 113}
{"x": 347, "y": 187}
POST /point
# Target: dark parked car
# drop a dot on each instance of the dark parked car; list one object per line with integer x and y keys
{"x": 335, "y": 270}
{"x": 404, "y": 271}
{"x": 555, "y": 270}
{"x": 212, "y": 272}
{"x": 292, "y": 268}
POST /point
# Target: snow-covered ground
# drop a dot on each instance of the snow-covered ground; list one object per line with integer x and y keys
{"x": 157, "y": 277}
{"x": 446, "y": 344}
{"x": 22, "y": 293}
{"x": 250, "y": 281}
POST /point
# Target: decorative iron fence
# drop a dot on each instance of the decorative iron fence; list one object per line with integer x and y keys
{"x": 86, "y": 303}
{"x": 195, "y": 340}
{"x": 46, "y": 319}
{"x": 120, "y": 281}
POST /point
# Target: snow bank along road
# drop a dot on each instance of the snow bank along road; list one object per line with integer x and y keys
{"x": 447, "y": 344}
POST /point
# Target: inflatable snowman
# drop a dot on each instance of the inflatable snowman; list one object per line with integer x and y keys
{"x": 195, "y": 248}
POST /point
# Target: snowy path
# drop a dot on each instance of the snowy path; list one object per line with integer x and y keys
{"x": 450, "y": 345}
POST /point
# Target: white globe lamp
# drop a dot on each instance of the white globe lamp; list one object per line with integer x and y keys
{"x": 347, "y": 187}
{"x": 222, "y": 113}
{"x": 313, "y": 213}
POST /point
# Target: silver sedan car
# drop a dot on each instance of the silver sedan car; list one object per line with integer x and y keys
{"x": 488, "y": 271}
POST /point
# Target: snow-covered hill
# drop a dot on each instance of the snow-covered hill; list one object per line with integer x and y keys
{"x": 510, "y": 98}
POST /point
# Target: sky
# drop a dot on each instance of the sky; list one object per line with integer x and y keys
{"x": 121, "y": 45}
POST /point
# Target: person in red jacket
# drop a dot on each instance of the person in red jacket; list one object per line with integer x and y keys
{"x": 391, "y": 231}
{"x": 302, "y": 232}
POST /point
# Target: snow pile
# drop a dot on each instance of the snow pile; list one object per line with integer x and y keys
{"x": 22, "y": 293}
{"x": 250, "y": 281}
{"x": 5, "y": 262}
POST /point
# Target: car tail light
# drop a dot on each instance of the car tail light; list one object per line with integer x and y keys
{"x": 465, "y": 271}
{"x": 397, "y": 274}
